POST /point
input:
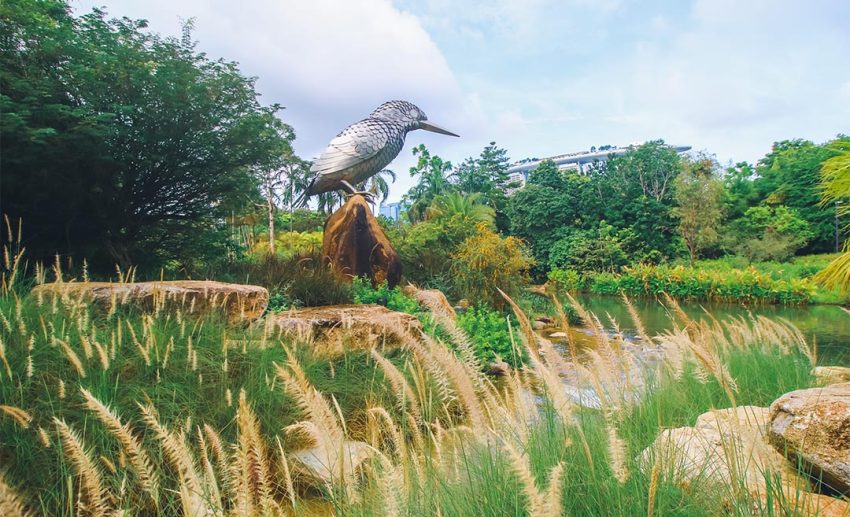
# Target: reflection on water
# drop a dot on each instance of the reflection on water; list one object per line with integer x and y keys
{"x": 828, "y": 324}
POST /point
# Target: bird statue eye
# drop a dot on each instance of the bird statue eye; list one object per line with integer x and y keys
{"x": 414, "y": 114}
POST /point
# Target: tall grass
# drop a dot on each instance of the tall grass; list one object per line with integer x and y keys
{"x": 154, "y": 412}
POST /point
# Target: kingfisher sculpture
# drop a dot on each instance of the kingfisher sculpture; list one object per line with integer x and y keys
{"x": 364, "y": 148}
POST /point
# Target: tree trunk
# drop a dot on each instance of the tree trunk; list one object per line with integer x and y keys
{"x": 270, "y": 204}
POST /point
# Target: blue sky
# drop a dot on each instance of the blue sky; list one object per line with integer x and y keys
{"x": 539, "y": 77}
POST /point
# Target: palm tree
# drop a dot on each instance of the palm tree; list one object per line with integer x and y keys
{"x": 433, "y": 174}
{"x": 378, "y": 185}
{"x": 469, "y": 207}
{"x": 835, "y": 182}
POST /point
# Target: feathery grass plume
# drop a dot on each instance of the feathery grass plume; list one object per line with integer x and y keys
{"x": 461, "y": 379}
{"x": 447, "y": 321}
{"x": 91, "y": 481}
{"x": 638, "y": 323}
{"x": 287, "y": 476}
{"x": 617, "y": 455}
{"x": 653, "y": 486}
{"x": 44, "y": 438}
{"x": 215, "y": 445}
{"x": 378, "y": 413}
{"x": 4, "y": 359}
{"x": 565, "y": 326}
{"x": 72, "y": 357}
{"x": 139, "y": 459}
{"x": 673, "y": 305}
{"x": 102, "y": 354}
{"x": 587, "y": 318}
{"x": 554, "y": 504}
{"x": 536, "y": 500}
{"x": 61, "y": 390}
{"x": 210, "y": 480}
{"x": 402, "y": 390}
{"x": 527, "y": 331}
{"x": 309, "y": 399}
{"x": 549, "y": 376}
{"x": 11, "y": 504}
{"x": 392, "y": 489}
{"x": 250, "y": 467}
{"x": 192, "y": 495}
{"x": 19, "y": 415}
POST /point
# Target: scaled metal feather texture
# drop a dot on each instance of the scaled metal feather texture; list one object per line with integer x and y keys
{"x": 364, "y": 148}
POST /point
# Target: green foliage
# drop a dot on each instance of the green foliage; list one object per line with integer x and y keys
{"x": 590, "y": 250}
{"x": 467, "y": 207}
{"x": 138, "y": 144}
{"x": 728, "y": 285}
{"x": 433, "y": 173}
{"x": 393, "y": 299}
{"x": 790, "y": 175}
{"x": 488, "y": 330}
{"x": 771, "y": 233}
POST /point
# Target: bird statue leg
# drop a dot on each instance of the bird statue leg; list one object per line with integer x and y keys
{"x": 351, "y": 191}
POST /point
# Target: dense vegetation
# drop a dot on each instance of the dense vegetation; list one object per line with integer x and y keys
{"x": 161, "y": 412}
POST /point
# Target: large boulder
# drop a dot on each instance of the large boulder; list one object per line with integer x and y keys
{"x": 322, "y": 464}
{"x": 239, "y": 302}
{"x": 355, "y": 245}
{"x": 729, "y": 447}
{"x": 826, "y": 375}
{"x": 813, "y": 426}
{"x": 335, "y": 328}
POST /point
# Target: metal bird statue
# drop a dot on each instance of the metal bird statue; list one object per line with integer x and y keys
{"x": 364, "y": 148}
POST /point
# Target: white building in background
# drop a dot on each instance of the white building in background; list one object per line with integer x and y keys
{"x": 579, "y": 161}
{"x": 391, "y": 211}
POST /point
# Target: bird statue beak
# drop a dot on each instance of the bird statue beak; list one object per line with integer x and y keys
{"x": 434, "y": 128}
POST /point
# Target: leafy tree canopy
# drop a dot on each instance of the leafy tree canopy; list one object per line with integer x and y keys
{"x": 117, "y": 139}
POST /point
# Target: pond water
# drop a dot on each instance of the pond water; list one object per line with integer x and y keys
{"x": 829, "y": 325}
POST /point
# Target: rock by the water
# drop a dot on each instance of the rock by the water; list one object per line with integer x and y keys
{"x": 813, "y": 425}
{"x": 355, "y": 245}
{"x": 558, "y": 335}
{"x": 719, "y": 445}
{"x": 322, "y": 465}
{"x": 826, "y": 375}
{"x": 336, "y": 328}
{"x": 240, "y": 302}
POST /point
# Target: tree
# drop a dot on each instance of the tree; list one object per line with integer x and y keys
{"x": 790, "y": 175}
{"x": 698, "y": 198}
{"x": 138, "y": 144}
{"x": 468, "y": 207}
{"x": 377, "y": 184}
{"x": 550, "y": 206}
{"x": 771, "y": 233}
{"x": 433, "y": 173}
{"x": 635, "y": 191}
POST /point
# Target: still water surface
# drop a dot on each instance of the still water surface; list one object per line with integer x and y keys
{"x": 829, "y": 325}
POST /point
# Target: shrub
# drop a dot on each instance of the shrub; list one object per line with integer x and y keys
{"x": 488, "y": 330}
{"x": 393, "y": 299}
{"x": 485, "y": 262}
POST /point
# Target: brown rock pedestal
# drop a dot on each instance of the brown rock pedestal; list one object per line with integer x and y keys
{"x": 355, "y": 244}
